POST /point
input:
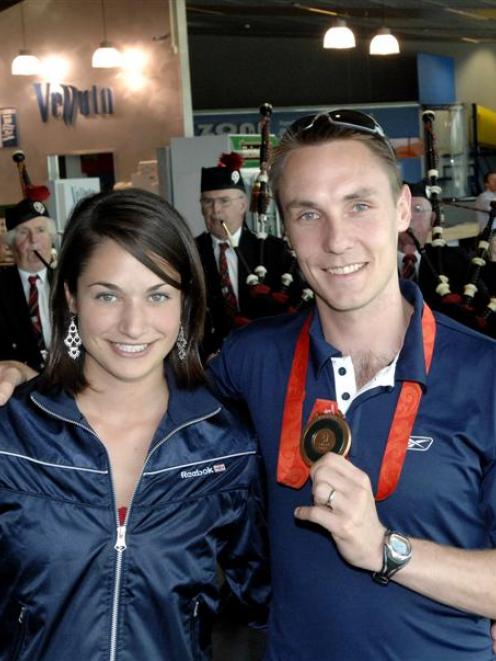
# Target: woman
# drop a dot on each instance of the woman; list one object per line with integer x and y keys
{"x": 124, "y": 483}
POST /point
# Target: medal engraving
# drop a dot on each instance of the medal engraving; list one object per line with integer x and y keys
{"x": 324, "y": 441}
{"x": 325, "y": 433}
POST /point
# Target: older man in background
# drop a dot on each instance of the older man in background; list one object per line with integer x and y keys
{"x": 417, "y": 257}
{"x": 230, "y": 253}
{"x": 25, "y": 329}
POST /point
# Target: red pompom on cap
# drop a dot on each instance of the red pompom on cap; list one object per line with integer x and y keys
{"x": 37, "y": 193}
{"x": 232, "y": 161}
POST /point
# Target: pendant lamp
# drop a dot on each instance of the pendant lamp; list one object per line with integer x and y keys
{"x": 106, "y": 56}
{"x": 25, "y": 64}
{"x": 339, "y": 36}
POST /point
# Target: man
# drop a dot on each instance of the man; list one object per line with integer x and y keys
{"x": 230, "y": 253}
{"x": 336, "y": 183}
{"x": 25, "y": 328}
{"x": 422, "y": 267}
{"x": 482, "y": 203}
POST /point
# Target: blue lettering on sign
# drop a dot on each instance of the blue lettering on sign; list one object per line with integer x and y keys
{"x": 71, "y": 101}
{"x": 69, "y": 104}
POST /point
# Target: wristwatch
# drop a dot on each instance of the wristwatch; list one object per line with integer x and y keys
{"x": 397, "y": 553}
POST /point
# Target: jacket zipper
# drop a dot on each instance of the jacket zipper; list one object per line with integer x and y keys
{"x": 120, "y": 543}
{"x": 120, "y": 547}
{"x": 21, "y": 633}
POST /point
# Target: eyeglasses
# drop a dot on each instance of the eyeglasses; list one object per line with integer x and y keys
{"x": 223, "y": 202}
{"x": 351, "y": 119}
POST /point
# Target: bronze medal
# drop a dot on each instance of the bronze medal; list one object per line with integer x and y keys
{"x": 325, "y": 433}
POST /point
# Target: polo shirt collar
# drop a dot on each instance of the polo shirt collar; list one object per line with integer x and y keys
{"x": 411, "y": 362}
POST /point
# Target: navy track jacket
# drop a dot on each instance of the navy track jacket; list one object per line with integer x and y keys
{"x": 75, "y": 585}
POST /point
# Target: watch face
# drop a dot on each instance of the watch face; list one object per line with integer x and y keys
{"x": 400, "y": 547}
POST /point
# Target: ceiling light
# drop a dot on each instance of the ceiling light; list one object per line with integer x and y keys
{"x": 25, "y": 64}
{"x": 339, "y": 36}
{"x": 384, "y": 43}
{"x": 106, "y": 56}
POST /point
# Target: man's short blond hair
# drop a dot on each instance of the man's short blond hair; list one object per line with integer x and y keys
{"x": 323, "y": 133}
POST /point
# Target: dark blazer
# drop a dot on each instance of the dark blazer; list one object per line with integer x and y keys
{"x": 17, "y": 341}
{"x": 277, "y": 260}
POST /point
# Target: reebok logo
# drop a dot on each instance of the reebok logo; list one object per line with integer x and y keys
{"x": 420, "y": 443}
{"x": 201, "y": 472}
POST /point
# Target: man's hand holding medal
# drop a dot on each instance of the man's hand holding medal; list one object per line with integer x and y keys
{"x": 343, "y": 499}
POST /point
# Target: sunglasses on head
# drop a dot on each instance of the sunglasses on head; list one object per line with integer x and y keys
{"x": 350, "y": 119}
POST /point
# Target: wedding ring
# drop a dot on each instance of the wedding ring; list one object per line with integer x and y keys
{"x": 330, "y": 498}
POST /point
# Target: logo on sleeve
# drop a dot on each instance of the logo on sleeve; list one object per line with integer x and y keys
{"x": 420, "y": 443}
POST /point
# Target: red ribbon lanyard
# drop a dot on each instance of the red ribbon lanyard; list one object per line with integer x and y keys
{"x": 292, "y": 470}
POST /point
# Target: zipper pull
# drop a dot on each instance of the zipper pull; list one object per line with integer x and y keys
{"x": 20, "y": 619}
{"x": 120, "y": 544}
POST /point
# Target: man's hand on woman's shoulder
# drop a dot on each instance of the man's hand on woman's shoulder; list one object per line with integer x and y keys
{"x": 12, "y": 374}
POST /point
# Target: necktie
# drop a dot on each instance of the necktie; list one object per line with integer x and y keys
{"x": 231, "y": 304}
{"x": 408, "y": 267}
{"x": 34, "y": 311}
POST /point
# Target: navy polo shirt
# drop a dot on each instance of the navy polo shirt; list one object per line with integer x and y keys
{"x": 324, "y": 609}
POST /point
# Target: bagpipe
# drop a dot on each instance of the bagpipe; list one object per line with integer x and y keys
{"x": 273, "y": 299}
{"x": 35, "y": 193}
{"x": 260, "y": 201}
{"x": 478, "y": 261}
{"x": 261, "y": 198}
{"x": 434, "y": 191}
{"x": 462, "y": 305}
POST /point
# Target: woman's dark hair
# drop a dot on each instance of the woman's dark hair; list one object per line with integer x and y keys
{"x": 147, "y": 227}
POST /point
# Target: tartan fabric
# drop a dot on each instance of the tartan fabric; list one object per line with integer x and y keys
{"x": 34, "y": 311}
{"x": 230, "y": 301}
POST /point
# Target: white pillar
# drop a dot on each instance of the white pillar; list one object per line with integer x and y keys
{"x": 179, "y": 42}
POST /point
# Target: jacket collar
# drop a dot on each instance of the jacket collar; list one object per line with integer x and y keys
{"x": 185, "y": 405}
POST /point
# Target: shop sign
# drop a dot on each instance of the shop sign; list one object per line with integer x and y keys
{"x": 67, "y": 102}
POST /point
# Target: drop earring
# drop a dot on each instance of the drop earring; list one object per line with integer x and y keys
{"x": 72, "y": 340}
{"x": 181, "y": 343}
